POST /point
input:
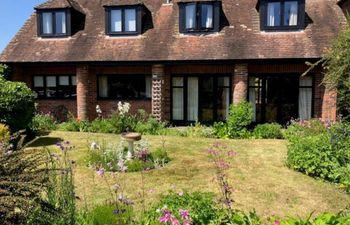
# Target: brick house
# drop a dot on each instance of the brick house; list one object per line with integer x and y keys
{"x": 181, "y": 60}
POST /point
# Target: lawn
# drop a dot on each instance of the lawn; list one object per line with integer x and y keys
{"x": 258, "y": 175}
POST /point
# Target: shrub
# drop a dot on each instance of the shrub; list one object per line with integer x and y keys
{"x": 43, "y": 122}
{"x": 150, "y": 126}
{"x": 268, "y": 131}
{"x": 16, "y": 104}
{"x": 24, "y": 178}
{"x": 4, "y": 133}
{"x": 240, "y": 116}
{"x": 324, "y": 154}
{"x": 116, "y": 158}
{"x": 201, "y": 207}
{"x": 104, "y": 215}
{"x": 324, "y": 219}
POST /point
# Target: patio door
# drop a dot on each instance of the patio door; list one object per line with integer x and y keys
{"x": 203, "y": 98}
{"x": 280, "y": 98}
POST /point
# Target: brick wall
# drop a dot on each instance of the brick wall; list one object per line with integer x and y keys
{"x": 324, "y": 102}
{"x": 240, "y": 83}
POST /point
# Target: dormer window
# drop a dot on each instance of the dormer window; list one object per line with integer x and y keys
{"x": 54, "y": 23}
{"x": 199, "y": 17}
{"x": 282, "y": 14}
{"x": 123, "y": 20}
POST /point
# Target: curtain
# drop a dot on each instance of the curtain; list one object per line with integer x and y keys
{"x": 305, "y": 98}
{"x": 192, "y": 99}
{"x": 47, "y": 23}
{"x": 252, "y": 96}
{"x": 130, "y": 20}
{"x": 148, "y": 86}
{"x": 63, "y": 80}
{"x": 178, "y": 104}
{"x": 74, "y": 80}
{"x": 207, "y": 16}
{"x": 292, "y": 12}
{"x": 38, "y": 81}
{"x": 273, "y": 14}
{"x": 103, "y": 86}
{"x": 190, "y": 16}
{"x": 116, "y": 20}
{"x": 60, "y": 22}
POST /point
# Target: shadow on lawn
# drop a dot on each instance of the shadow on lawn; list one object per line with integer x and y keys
{"x": 44, "y": 141}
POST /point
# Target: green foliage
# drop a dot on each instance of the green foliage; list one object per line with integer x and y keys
{"x": 240, "y": 116}
{"x": 106, "y": 214}
{"x": 160, "y": 155}
{"x": 4, "y": 133}
{"x": 115, "y": 124}
{"x": 336, "y": 63}
{"x": 23, "y": 180}
{"x": 4, "y": 71}
{"x": 201, "y": 207}
{"x": 137, "y": 165}
{"x": 324, "y": 154}
{"x": 150, "y": 126}
{"x": 115, "y": 157}
{"x": 268, "y": 131}
{"x": 43, "y": 122}
{"x": 324, "y": 219}
{"x": 16, "y": 104}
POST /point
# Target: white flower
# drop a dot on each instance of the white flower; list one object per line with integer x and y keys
{"x": 123, "y": 108}
{"x": 98, "y": 109}
{"x": 94, "y": 146}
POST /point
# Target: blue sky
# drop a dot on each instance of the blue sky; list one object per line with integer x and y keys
{"x": 13, "y": 14}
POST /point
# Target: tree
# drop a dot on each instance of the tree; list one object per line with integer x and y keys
{"x": 336, "y": 63}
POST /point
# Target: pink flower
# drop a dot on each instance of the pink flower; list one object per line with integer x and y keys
{"x": 101, "y": 172}
{"x": 184, "y": 214}
{"x": 277, "y": 222}
{"x": 166, "y": 217}
{"x": 231, "y": 153}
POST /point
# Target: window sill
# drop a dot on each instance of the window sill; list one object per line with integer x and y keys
{"x": 72, "y": 98}
{"x": 200, "y": 34}
{"x": 124, "y": 36}
{"x": 123, "y": 99}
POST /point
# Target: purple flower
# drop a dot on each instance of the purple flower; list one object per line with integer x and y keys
{"x": 277, "y": 222}
{"x": 184, "y": 214}
{"x": 166, "y": 217}
{"x": 231, "y": 153}
{"x": 101, "y": 172}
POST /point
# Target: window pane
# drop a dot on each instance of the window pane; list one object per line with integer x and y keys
{"x": 178, "y": 81}
{"x": 305, "y": 81}
{"x": 116, "y": 20}
{"x": 47, "y": 23}
{"x": 61, "y": 23}
{"x": 223, "y": 81}
{"x": 291, "y": 13}
{"x": 148, "y": 86}
{"x": 63, "y": 80}
{"x": 223, "y": 103}
{"x": 192, "y": 99}
{"x": 51, "y": 86}
{"x": 74, "y": 80}
{"x": 305, "y": 103}
{"x": 273, "y": 14}
{"x": 38, "y": 81}
{"x": 178, "y": 104}
{"x": 127, "y": 87}
{"x": 190, "y": 16}
{"x": 50, "y": 81}
{"x": 103, "y": 86}
{"x": 130, "y": 20}
{"x": 207, "y": 16}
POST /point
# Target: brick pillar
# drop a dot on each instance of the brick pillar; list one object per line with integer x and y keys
{"x": 160, "y": 93}
{"x": 240, "y": 83}
{"x": 325, "y": 100}
{"x": 82, "y": 73}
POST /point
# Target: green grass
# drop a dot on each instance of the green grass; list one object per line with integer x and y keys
{"x": 259, "y": 176}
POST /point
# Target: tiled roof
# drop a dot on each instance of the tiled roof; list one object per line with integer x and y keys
{"x": 241, "y": 39}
